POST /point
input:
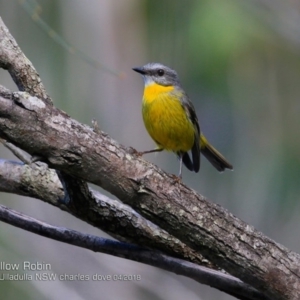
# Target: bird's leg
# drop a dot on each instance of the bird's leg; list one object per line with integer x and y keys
{"x": 178, "y": 179}
{"x": 180, "y": 166}
{"x": 149, "y": 151}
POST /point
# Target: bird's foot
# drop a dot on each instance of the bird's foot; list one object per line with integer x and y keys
{"x": 176, "y": 179}
{"x": 133, "y": 151}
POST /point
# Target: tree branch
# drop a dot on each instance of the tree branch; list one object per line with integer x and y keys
{"x": 224, "y": 282}
{"x": 37, "y": 181}
{"x": 74, "y": 148}
{"x": 111, "y": 216}
{"x": 19, "y": 66}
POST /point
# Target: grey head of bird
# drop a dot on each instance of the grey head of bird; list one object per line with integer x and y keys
{"x": 158, "y": 73}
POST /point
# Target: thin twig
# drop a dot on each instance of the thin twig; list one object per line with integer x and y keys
{"x": 19, "y": 153}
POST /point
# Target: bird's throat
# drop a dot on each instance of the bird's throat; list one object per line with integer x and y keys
{"x": 154, "y": 91}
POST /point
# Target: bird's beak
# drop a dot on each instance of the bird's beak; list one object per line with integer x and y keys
{"x": 139, "y": 70}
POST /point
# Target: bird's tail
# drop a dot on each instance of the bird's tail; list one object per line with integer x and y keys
{"x": 213, "y": 155}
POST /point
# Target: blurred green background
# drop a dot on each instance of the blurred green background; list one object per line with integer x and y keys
{"x": 239, "y": 62}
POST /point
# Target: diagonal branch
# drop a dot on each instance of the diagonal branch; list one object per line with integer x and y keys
{"x": 111, "y": 216}
{"x": 204, "y": 226}
{"x": 38, "y": 181}
{"x": 19, "y": 66}
{"x": 225, "y": 282}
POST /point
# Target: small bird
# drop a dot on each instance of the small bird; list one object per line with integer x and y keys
{"x": 171, "y": 121}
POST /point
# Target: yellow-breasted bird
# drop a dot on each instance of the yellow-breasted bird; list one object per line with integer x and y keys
{"x": 171, "y": 120}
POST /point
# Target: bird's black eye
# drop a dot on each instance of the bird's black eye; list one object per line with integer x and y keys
{"x": 161, "y": 72}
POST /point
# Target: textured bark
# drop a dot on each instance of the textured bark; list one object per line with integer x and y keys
{"x": 115, "y": 218}
{"x": 75, "y": 149}
{"x": 223, "y": 282}
{"x": 19, "y": 67}
{"x": 111, "y": 216}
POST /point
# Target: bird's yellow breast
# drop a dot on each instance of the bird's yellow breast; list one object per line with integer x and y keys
{"x": 153, "y": 90}
{"x": 166, "y": 119}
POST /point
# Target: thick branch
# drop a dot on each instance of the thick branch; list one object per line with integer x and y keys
{"x": 38, "y": 181}
{"x": 75, "y": 149}
{"x": 111, "y": 216}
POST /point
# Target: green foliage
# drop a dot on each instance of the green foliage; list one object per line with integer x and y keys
{"x": 217, "y": 32}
